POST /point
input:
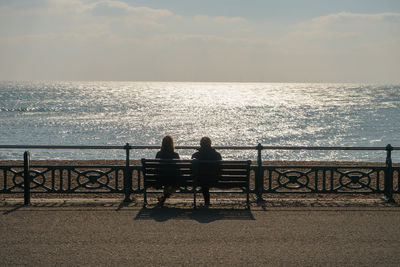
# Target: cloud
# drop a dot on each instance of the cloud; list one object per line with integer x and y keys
{"x": 343, "y": 30}
{"x": 65, "y": 18}
{"x": 107, "y": 8}
{"x": 111, "y": 17}
{"x": 347, "y": 17}
{"x": 343, "y": 23}
{"x": 117, "y": 8}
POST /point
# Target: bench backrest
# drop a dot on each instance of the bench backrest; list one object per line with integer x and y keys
{"x": 221, "y": 174}
{"x": 158, "y": 172}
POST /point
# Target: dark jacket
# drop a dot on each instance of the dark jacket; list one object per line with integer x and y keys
{"x": 167, "y": 155}
{"x": 208, "y": 172}
{"x": 207, "y": 154}
{"x": 167, "y": 176}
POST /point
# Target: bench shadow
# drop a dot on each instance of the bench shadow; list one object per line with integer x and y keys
{"x": 201, "y": 215}
{"x": 13, "y": 209}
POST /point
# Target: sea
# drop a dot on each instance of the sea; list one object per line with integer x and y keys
{"x": 231, "y": 114}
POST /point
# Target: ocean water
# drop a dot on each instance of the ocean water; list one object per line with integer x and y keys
{"x": 232, "y": 114}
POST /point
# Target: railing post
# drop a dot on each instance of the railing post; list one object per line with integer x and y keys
{"x": 388, "y": 175}
{"x": 259, "y": 179}
{"x": 127, "y": 176}
{"x": 27, "y": 179}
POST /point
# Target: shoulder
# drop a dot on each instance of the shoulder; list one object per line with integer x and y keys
{"x": 195, "y": 155}
{"x": 167, "y": 155}
{"x": 216, "y": 155}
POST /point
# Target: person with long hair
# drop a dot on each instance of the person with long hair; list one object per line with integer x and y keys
{"x": 167, "y": 152}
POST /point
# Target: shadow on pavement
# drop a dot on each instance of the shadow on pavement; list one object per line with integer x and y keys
{"x": 200, "y": 215}
{"x": 13, "y": 209}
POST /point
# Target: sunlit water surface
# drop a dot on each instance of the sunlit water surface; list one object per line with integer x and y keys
{"x": 232, "y": 114}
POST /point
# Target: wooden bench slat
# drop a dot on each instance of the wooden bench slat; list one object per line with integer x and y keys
{"x": 224, "y": 177}
{"x": 156, "y": 176}
{"x": 164, "y": 165}
{"x": 231, "y": 178}
{"x": 226, "y": 167}
{"x": 234, "y": 167}
{"x": 230, "y": 172}
{"x": 160, "y": 172}
{"x": 230, "y": 183}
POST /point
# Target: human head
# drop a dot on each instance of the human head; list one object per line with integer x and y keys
{"x": 205, "y": 142}
{"x": 167, "y": 144}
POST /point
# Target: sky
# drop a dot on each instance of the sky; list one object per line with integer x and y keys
{"x": 207, "y": 40}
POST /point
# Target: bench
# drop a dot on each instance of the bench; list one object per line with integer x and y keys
{"x": 224, "y": 174}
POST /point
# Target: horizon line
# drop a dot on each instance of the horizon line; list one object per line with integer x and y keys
{"x": 172, "y": 81}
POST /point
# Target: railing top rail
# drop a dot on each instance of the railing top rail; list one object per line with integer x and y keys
{"x": 59, "y": 147}
{"x": 194, "y": 147}
{"x": 324, "y": 148}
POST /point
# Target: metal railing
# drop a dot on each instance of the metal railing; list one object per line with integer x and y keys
{"x": 29, "y": 178}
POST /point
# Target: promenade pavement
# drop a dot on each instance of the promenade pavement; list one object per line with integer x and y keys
{"x": 110, "y": 233}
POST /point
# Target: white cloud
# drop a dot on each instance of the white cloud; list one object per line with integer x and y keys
{"x": 338, "y": 31}
{"x": 64, "y": 18}
{"x": 117, "y": 8}
{"x": 350, "y": 25}
{"x": 353, "y": 17}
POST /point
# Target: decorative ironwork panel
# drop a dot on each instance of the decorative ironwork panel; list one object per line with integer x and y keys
{"x": 323, "y": 179}
{"x": 290, "y": 180}
{"x": 137, "y": 180}
{"x": 396, "y": 179}
{"x": 11, "y": 179}
{"x": 253, "y": 172}
{"x": 63, "y": 179}
{"x": 91, "y": 179}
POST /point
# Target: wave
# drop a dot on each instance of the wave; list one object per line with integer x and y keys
{"x": 28, "y": 109}
{"x": 68, "y": 109}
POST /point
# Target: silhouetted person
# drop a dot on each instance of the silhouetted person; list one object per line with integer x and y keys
{"x": 167, "y": 152}
{"x": 206, "y": 152}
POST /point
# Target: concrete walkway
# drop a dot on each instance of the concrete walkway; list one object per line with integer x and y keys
{"x": 106, "y": 232}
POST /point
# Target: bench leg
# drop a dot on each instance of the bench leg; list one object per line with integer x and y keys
{"x": 194, "y": 196}
{"x": 144, "y": 197}
{"x": 247, "y": 198}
